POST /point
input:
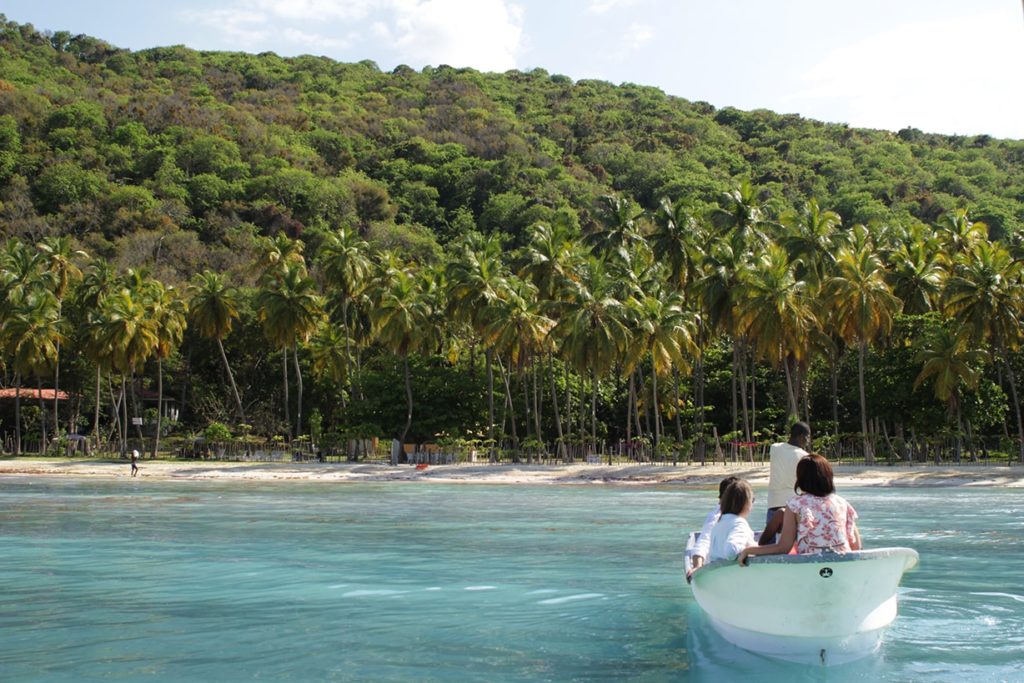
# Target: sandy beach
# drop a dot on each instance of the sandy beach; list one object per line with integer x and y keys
{"x": 694, "y": 476}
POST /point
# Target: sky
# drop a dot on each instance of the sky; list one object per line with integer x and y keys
{"x": 942, "y": 66}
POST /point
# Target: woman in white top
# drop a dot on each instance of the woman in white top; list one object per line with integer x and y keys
{"x": 732, "y": 534}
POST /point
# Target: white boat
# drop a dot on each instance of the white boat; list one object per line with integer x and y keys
{"x": 827, "y": 608}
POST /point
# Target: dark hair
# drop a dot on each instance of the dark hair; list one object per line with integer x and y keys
{"x": 800, "y": 429}
{"x": 814, "y": 476}
{"x": 737, "y": 496}
{"x": 724, "y": 484}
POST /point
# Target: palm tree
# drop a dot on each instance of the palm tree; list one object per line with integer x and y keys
{"x": 401, "y": 322}
{"x": 213, "y": 307}
{"x": 776, "y": 313}
{"x": 744, "y": 217}
{"x": 592, "y": 327}
{"x": 984, "y": 294}
{"x": 98, "y": 281}
{"x": 810, "y": 239}
{"x": 676, "y": 241}
{"x": 622, "y": 230}
{"x": 663, "y": 330}
{"x": 948, "y": 362}
{"x": 31, "y": 332}
{"x": 290, "y": 311}
{"x": 918, "y": 271}
{"x": 863, "y": 306}
{"x": 477, "y": 279}
{"x": 59, "y": 255}
{"x": 346, "y": 267}
{"x": 126, "y": 335}
{"x": 959, "y": 234}
{"x": 516, "y": 328}
{"x": 169, "y": 311}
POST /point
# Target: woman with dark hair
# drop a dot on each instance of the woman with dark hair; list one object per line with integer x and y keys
{"x": 816, "y": 519}
{"x": 732, "y": 533}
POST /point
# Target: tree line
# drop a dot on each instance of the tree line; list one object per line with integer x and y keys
{"x": 587, "y": 338}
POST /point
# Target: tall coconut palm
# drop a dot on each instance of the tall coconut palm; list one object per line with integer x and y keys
{"x": 477, "y": 279}
{"x": 290, "y": 311}
{"x": 863, "y": 306}
{"x": 984, "y": 294}
{"x": 169, "y": 311}
{"x": 345, "y": 262}
{"x": 127, "y": 335}
{"x": 918, "y": 270}
{"x": 743, "y": 216}
{"x": 775, "y": 312}
{"x": 592, "y": 327}
{"x": 621, "y": 230}
{"x": 949, "y": 363}
{"x": 676, "y": 241}
{"x": 213, "y": 308}
{"x": 958, "y": 233}
{"x": 662, "y": 330}
{"x": 60, "y": 256}
{"x": 99, "y": 280}
{"x": 518, "y": 330}
{"x": 30, "y": 333}
{"x": 810, "y": 236}
{"x": 399, "y": 319}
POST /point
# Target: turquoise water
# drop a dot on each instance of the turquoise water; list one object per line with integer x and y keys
{"x": 133, "y": 580}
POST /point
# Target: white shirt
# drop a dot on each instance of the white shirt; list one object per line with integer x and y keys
{"x": 704, "y": 540}
{"x": 731, "y": 535}
{"x": 782, "y": 476}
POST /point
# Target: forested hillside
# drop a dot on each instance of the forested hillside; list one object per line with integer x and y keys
{"x": 449, "y": 237}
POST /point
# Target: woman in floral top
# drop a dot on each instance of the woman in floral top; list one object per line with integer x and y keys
{"x": 817, "y": 519}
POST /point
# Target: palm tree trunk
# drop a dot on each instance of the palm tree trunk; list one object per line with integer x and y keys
{"x": 593, "y": 413}
{"x": 735, "y": 391}
{"x": 629, "y": 413}
{"x": 488, "y": 354}
{"x": 655, "y": 405}
{"x": 287, "y": 408}
{"x": 124, "y": 416}
{"x": 835, "y": 398}
{"x": 554, "y": 404}
{"x": 231, "y": 378}
{"x": 17, "y": 414}
{"x": 42, "y": 414}
{"x": 135, "y": 409}
{"x": 348, "y": 348}
{"x": 568, "y": 403}
{"x": 511, "y": 406}
{"x": 869, "y": 455}
{"x": 159, "y": 404}
{"x": 743, "y": 391}
{"x": 408, "y": 402}
{"x": 96, "y": 413}
{"x": 678, "y": 419}
{"x": 537, "y": 399}
{"x": 958, "y": 442}
{"x": 790, "y": 392}
{"x": 298, "y": 398}
{"x": 1016, "y": 403}
{"x": 526, "y": 415}
{"x": 56, "y": 385}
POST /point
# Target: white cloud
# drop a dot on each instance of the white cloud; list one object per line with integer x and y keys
{"x": 313, "y": 40}
{"x": 483, "y": 34}
{"x": 605, "y": 6}
{"x": 935, "y": 75}
{"x": 317, "y": 10}
{"x": 638, "y": 35}
{"x": 240, "y": 26}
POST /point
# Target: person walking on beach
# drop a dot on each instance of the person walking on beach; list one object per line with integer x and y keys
{"x": 135, "y": 467}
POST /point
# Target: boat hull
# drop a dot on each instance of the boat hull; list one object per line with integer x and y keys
{"x": 825, "y": 609}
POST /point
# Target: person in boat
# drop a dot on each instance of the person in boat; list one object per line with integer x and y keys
{"x": 732, "y": 534}
{"x": 817, "y": 519}
{"x": 782, "y": 473}
{"x": 703, "y": 544}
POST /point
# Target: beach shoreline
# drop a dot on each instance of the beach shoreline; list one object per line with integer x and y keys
{"x": 689, "y": 476}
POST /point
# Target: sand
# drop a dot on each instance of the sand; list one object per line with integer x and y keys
{"x": 692, "y": 476}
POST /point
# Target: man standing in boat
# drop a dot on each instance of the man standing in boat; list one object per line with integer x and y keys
{"x": 782, "y": 475}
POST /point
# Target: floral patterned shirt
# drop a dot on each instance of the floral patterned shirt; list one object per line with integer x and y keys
{"x": 823, "y": 523}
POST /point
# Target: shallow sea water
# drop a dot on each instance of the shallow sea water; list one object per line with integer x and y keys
{"x": 138, "y": 580}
